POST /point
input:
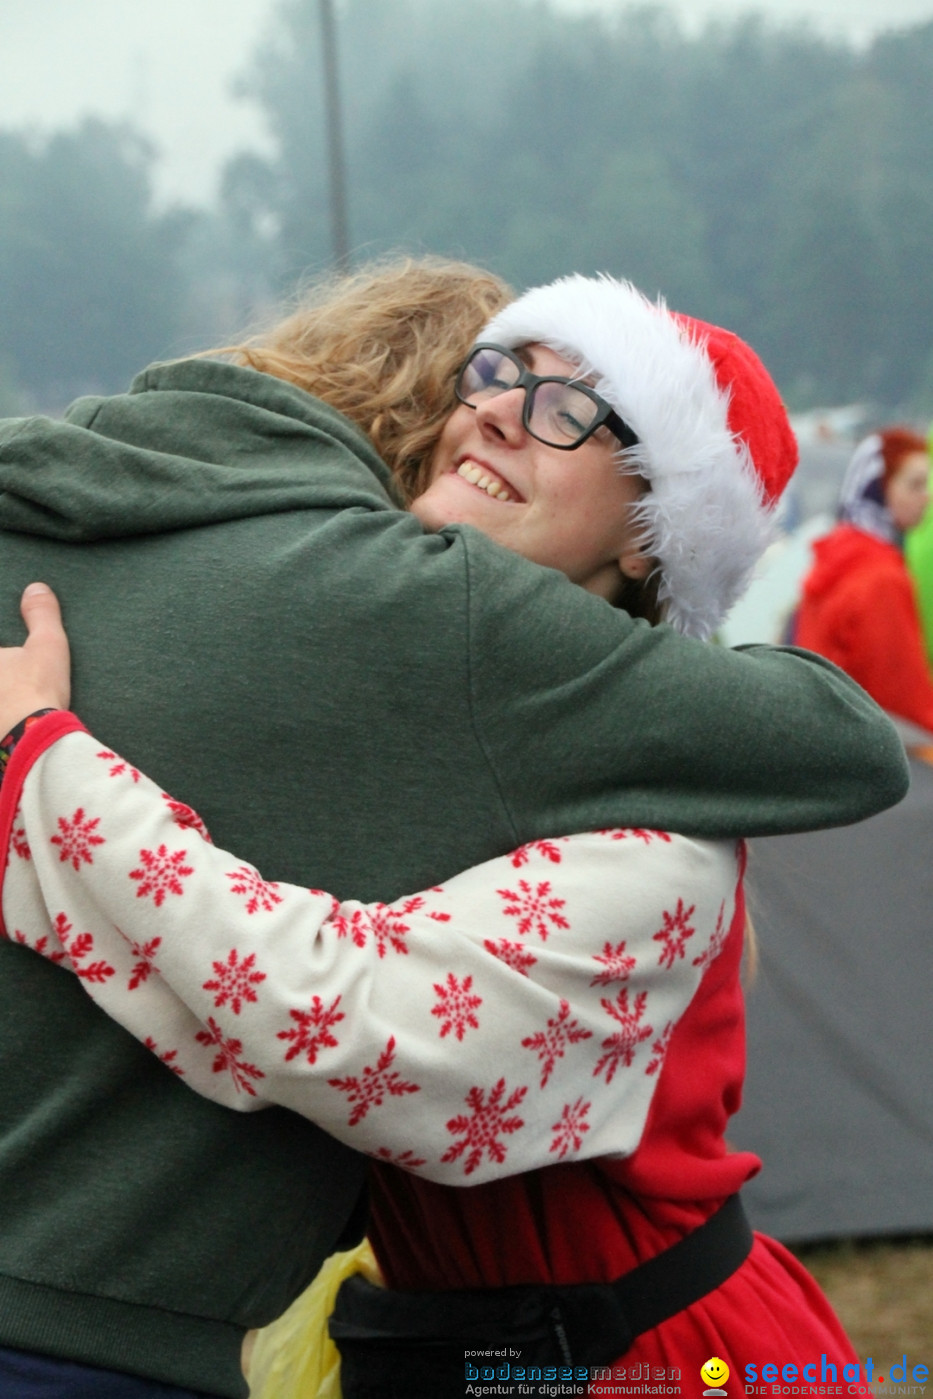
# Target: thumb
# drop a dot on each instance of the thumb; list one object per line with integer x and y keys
{"x": 42, "y": 614}
{"x": 36, "y": 675}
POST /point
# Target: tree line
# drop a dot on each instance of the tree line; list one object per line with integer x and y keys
{"x": 763, "y": 177}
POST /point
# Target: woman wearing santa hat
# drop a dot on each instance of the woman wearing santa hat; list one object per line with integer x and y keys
{"x": 642, "y": 453}
{"x": 859, "y": 605}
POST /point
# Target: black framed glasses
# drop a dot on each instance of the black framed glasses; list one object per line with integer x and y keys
{"x": 558, "y": 411}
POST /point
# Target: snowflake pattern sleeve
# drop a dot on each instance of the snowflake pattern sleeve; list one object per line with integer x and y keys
{"x": 516, "y": 1016}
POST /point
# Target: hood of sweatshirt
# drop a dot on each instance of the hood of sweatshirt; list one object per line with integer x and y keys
{"x": 192, "y": 443}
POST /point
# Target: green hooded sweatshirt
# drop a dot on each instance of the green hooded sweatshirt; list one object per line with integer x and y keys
{"x": 348, "y": 703}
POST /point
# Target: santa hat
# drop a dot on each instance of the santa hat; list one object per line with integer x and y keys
{"x": 714, "y": 441}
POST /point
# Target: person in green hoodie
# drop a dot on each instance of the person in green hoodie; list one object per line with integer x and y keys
{"x": 343, "y": 697}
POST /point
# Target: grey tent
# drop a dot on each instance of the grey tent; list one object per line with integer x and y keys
{"x": 839, "y": 1095}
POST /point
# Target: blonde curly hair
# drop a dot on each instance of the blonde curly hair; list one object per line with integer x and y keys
{"x": 383, "y": 346}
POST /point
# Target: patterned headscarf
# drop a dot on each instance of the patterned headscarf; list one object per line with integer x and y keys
{"x": 861, "y": 500}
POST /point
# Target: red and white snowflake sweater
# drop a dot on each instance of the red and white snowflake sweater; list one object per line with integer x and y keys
{"x": 530, "y": 1027}
{"x": 574, "y": 1005}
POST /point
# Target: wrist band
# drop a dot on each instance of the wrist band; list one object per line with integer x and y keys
{"x": 10, "y": 740}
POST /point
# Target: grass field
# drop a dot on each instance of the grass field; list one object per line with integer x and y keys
{"x": 883, "y": 1294}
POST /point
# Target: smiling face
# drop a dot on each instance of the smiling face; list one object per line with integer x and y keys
{"x": 907, "y": 494}
{"x": 715, "y": 1371}
{"x": 569, "y": 510}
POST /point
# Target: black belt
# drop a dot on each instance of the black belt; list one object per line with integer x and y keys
{"x": 579, "y": 1324}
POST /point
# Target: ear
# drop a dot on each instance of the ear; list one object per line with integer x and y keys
{"x": 635, "y": 564}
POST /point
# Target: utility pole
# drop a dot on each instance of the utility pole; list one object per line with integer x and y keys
{"x": 334, "y": 124}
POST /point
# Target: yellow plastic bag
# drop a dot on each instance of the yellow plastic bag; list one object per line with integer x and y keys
{"x": 295, "y": 1358}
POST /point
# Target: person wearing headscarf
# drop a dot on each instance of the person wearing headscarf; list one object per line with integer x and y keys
{"x": 859, "y": 607}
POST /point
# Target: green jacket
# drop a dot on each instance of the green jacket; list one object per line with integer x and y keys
{"x": 350, "y": 703}
{"x": 919, "y": 553}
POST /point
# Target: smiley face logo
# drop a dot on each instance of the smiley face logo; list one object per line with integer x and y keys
{"x": 715, "y": 1373}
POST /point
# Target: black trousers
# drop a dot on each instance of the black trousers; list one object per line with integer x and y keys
{"x": 26, "y": 1375}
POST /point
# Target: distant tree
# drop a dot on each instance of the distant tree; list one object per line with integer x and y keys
{"x": 584, "y": 167}
{"x": 902, "y": 64}
{"x": 415, "y": 78}
{"x": 829, "y": 253}
{"x": 90, "y": 286}
{"x": 226, "y": 259}
{"x": 762, "y": 177}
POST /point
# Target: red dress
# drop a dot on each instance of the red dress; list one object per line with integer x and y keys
{"x": 593, "y": 1220}
{"x": 859, "y": 609}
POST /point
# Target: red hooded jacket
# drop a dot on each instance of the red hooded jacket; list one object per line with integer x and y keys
{"x": 859, "y": 609}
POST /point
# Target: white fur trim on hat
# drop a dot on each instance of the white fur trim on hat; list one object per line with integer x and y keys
{"x": 707, "y": 517}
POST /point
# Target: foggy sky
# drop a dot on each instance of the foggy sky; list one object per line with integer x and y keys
{"x": 170, "y": 68}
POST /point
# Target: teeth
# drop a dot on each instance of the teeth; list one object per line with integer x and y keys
{"x": 479, "y": 478}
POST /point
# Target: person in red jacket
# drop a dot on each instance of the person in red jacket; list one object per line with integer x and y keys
{"x": 859, "y": 607}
